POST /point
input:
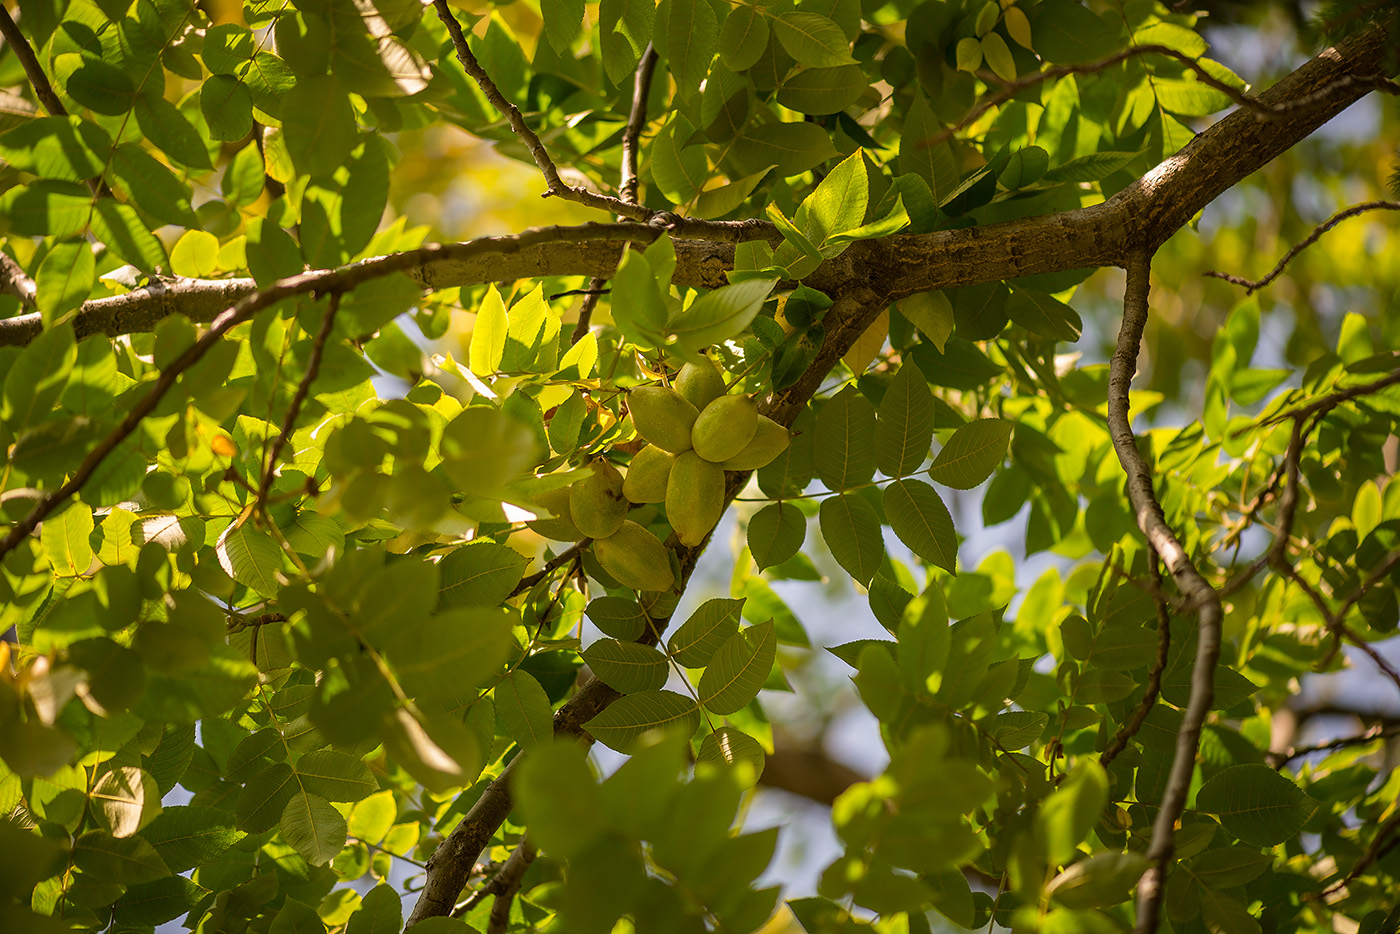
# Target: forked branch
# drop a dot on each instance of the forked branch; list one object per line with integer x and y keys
{"x": 1254, "y": 285}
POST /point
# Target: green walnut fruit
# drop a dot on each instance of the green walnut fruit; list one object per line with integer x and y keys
{"x": 561, "y": 528}
{"x": 700, "y": 383}
{"x": 647, "y": 475}
{"x": 663, "y": 417}
{"x": 770, "y": 440}
{"x": 636, "y": 558}
{"x": 694, "y": 497}
{"x": 725, "y": 428}
{"x": 596, "y": 503}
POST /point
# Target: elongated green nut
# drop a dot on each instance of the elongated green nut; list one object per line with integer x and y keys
{"x": 635, "y": 557}
{"x": 663, "y": 417}
{"x": 694, "y": 497}
{"x": 596, "y": 503}
{"x": 561, "y": 528}
{"x": 770, "y": 440}
{"x": 725, "y": 428}
{"x": 700, "y": 383}
{"x": 647, "y": 475}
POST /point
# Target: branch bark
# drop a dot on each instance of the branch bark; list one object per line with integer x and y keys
{"x": 1198, "y": 592}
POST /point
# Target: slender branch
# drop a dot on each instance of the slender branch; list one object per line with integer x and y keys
{"x": 1154, "y": 677}
{"x": 1377, "y": 731}
{"x": 1288, "y": 505}
{"x": 1253, "y": 285}
{"x": 1372, "y": 853}
{"x": 1330, "y": 401}
{"x": 1197, "y": 591}
{"x": 564, "y": 557}
{"x": 1264, "y": 110}
{"x": 30, "y": 62}
{"x": 507, "y": 883}
{"x": 15, "y": 281}
{"x": 631, "y": 142}
{"x": 555, "y": 185}
{"x": 313, "y": 366}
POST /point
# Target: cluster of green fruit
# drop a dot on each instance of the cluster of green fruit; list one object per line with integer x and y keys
{"x": 695, "y": 432}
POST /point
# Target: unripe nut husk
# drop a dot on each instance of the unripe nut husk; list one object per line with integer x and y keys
{"x": 725, "y": 428}
{"x": 635, "y": 557}
{"x": 647, "y": 475}
{"x": 699, "y": 383}
{"x": 770, "y": 440}
{"x": 561, "y": 527}
{"x": 596, "y": 503}
{"x": 694, "y": 497}
{"x": 662, "y": 417}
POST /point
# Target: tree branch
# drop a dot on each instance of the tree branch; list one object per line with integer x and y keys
{"x": 1197, "y": 591}
{"x": 1253, "y": 285}
{"x": 15, "y": 281}
{"x": 1154, "y": 677}
{"x": 289, "y": 422}
{"x": 555, "y": 185}
{"x": 30, "y": 63}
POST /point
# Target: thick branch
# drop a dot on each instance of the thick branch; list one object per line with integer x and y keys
{"x": 1197, "y": 591}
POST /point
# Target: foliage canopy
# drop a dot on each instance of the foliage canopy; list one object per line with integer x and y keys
{"x": 295, "y": 499}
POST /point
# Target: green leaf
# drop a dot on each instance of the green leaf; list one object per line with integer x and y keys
{"x": 560, "y": 798}
{"x": 700, "y": 636}
{"x": 1100, "y": 881}
{"x": 626, "y": 28}
{"x": 1256, "y": 804}
{"x": 261, "y": 802}
{"x": 196, "y": 254}
{"x": 922, "y": 522}
{"x": 776, "y": 533}
{"x": 618, "y": 617}
{"x": 251, "y": 557}
{"x": 125, "y": 799}
{"x": 318, "y": 125}
{"x": 480, "y": 573}
{"x": 95, "y": 84}
{"x": 186, "y": 836}
{"x": 626, "y": 666}
{"x": 1090, "y": 167}
{"x": 56, "y": 209}
{"x": 127, "y": 860}
{"x": 792, "y": 147}
{"x": 1024, "y": 167}
{"x": 922, "y": 649}
{"x": 453, "y": 652}
{"x": 1189, "y": 97}
{"x": 904, "y": 431}
{"x": 717, "y": 202}
{"x": 165, "y": 127}
{"x": 637, "y": 306}
{"x": 1071, "y": 810}
{"x": 314, "y": 828}
{"x": 821, "y": 91}
{"x": 1067, "y": 33}
{"x": 153, "y": 188}
{"x": 1043, "y": 315}
{"x": 851, "y": 529}
{"x": 732, "y": 747}
{"x": 335, "y": 775}
{"x": 931, "y": 313}
{"x": 524, "y": 708}
{"x": 563, "y": 21}
{"x": 154, "y": 903}
{"x": 717, "y": 316}
{"x": 838, "y": 203}
{"x": 680, "y": 170}
{"x": 483, "y": 450}
{"x": 1228, "y": 867}
{"x": 743, "y": 38}
{"x": 813, "y": 40}
{"x": 64, "y": 148}
{"x": 227, "y": 106}
{"x": 692, "y": 38}
{"x": 918, "y": 156}
{"x": 118, "y": 226}
{"x": 64, "y": 279}
{"x": 972, "y": 453}
{"x": 843, "y": 444}
{"x": 626, "y": 719}
{"x": 381, "y": 912}
{"x": 738, "y": 669}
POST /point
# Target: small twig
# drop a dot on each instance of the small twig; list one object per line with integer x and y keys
{"x": 1253, "y": 285}
{"x": 550, "y": 566}
{"x": 1372, "y": 853}
{"x": 15, "y": 281}
{"x": 1288, "y": 505}
{"x": 507, "y": 883}
{"x": 1330, "y": 401}
{"x": 1154, "y": 677}
{"x": 1376, "y": 732}
{"x": 1264, "y": 111}
{"x": 30, "y": 63}
{"x": 313, "y": 366}
{"x": 1193, "y": 586}
{"x": 631, "y": 142}
{"x": 555, "y": 185}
